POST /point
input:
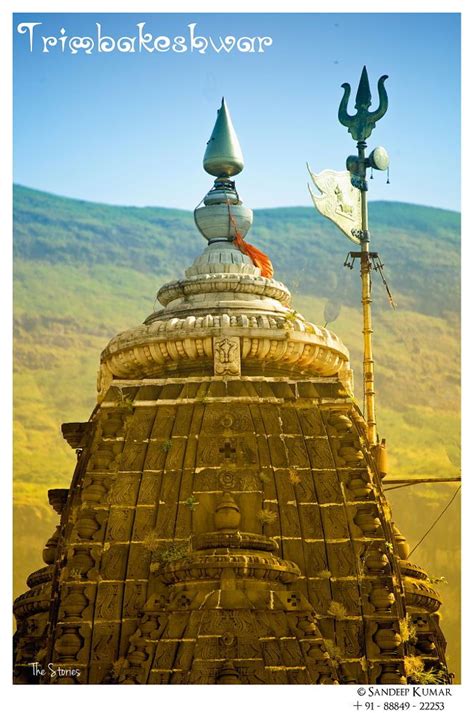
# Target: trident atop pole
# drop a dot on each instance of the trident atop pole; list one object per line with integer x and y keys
{"x": 344, "y": 201}
{"x": 361, "y": 124}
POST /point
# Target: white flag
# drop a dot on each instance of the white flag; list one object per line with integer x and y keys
{"x": 339, "y": 201}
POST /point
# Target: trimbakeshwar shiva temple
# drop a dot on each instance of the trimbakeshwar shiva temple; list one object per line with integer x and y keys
{"x": 226, "y": 521}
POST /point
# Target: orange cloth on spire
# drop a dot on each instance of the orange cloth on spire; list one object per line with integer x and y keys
{"x": 258, "y": 258}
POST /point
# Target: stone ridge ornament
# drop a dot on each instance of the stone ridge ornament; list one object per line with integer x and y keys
{"x": 227, "y": 356}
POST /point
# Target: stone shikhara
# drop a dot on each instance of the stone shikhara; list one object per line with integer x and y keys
{"x": 226, "y": 520}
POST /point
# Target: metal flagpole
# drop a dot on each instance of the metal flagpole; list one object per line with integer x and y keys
{"x": 366, "y": 282}
{"x": 344, "y": 201}
{"x": 360, "y": 126}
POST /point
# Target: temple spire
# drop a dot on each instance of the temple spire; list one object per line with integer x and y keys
{"x": 223, "y": 156}
{"x": 223, "y": 218}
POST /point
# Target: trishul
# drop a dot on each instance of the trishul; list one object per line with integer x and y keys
{"x": 363, "y": 122}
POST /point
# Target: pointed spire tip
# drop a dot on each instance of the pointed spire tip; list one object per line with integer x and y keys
{"x": 223, "y": 156}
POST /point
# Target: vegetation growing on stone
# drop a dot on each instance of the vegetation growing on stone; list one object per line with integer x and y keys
{"x": 333, "y": 650}
{"x": 192, "y": 502}
{"x": 295, "y": 479}
{"x": 337, "y": 610}
{"x": 325, "y": 574}
{"x": 408, "y": 631}
{"x": 267, "y": 517}
{"x": 415, "y": 671}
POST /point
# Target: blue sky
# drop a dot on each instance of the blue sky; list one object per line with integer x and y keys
{"x": 132, "y": 128}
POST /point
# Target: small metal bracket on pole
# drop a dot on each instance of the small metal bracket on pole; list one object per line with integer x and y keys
{"x": 352, "y": 256}
{"x": 375, "y": 264}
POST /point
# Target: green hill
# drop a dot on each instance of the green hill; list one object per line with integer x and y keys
{"x": 419, "y": 245}
{"x": 85, "y": 271}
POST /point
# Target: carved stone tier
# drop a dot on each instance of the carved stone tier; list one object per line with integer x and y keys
{"x": 75, "y": 433}
{"x": 237, "y": 285}
{"x": 40, "y": 576}
{"x": 37, "y": 599}
{"x": 155, "y": 349}
{"x": 222, "y": 257}
{"x": 211, "y": 565}
{"x": 221, "y": 594}
{"x": 421, "y": 596}
{"x": 408, "y": 569}
{"x": 233, "y": 540}
{"x": 223, "y": 296}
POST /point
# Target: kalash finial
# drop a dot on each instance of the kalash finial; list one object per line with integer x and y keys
{"x": 223, "y": 156}
{"x": 223, "y": 218}
{"x": 223, "y": 215}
